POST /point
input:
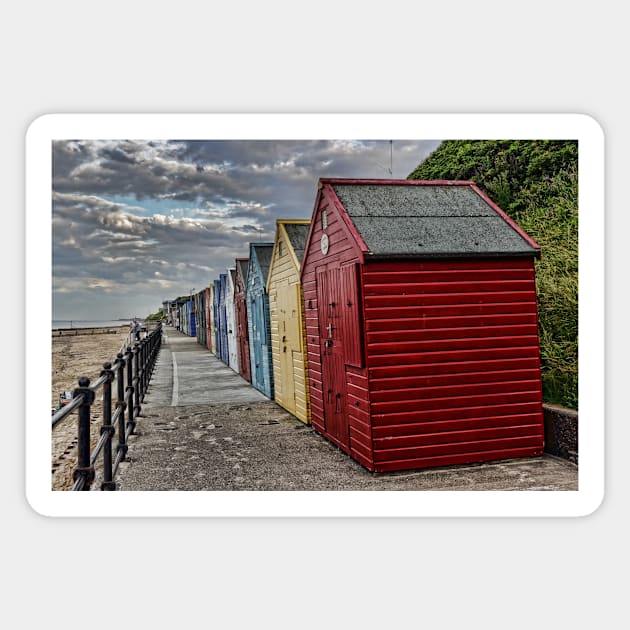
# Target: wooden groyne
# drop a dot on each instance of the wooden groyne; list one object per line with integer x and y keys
{"x": 107, "y": 330}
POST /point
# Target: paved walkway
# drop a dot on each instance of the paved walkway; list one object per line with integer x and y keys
{"x": 203, "y": 427}
{"x": 186, "y": 373}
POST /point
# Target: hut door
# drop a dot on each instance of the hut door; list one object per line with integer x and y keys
{"x": 258, "y": 318}
{"x": 224, "y": 336}
{"x": 332, "y": 354}
{"x": 286, "y": 313}
{"x": 265, "y": 349}
{"x": 242, "y": 339}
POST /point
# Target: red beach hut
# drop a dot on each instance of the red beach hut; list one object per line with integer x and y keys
{"x": 240, "y": 316}
{"x": 421, "y": 323}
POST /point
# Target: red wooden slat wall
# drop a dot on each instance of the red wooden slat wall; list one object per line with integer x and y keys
{"x": 453, "y": 361}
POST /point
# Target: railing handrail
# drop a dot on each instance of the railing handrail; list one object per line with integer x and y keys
{"x": 126, "y": 343}
{"x": 66, "y": 410}
{"x": 132, "y": 371}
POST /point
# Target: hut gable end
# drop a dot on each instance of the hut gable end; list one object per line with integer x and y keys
{"x": 332, "y": 235}
{"x": 290, "y": 241}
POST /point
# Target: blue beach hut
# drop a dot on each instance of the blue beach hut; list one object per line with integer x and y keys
{"x": 192, "y": 321}
{"x": 187, "y": 319}
{"x": 259, "y": 327}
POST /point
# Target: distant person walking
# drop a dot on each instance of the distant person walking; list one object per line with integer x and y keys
{"x": 136, "y": 329}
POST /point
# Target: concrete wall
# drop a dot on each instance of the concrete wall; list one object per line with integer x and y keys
{"x": 561, "y": 432}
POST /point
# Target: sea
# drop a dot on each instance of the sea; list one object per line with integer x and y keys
{"x": 89, "y": 323}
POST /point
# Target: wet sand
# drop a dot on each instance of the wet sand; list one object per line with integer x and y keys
{"x": 72, "y": 357}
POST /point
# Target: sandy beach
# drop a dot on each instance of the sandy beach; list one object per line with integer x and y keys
{"x": 72, "y": 357}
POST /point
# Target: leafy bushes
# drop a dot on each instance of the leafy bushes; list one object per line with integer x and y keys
{"x": 536, "y": 183}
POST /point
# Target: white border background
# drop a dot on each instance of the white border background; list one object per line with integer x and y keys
{"x": 459, "y": 57}
{"x": 321, "y": 126}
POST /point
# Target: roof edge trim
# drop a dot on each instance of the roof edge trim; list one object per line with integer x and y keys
{"x": 507, "y": 219}
{"x": 311, "y": 227}
{"x": 347, "y": 219}
{"x": 395, "y": 182}
{"x": 432, "y": 255}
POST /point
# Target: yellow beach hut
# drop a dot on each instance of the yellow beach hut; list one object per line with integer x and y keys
{"x": 286, "y": 309}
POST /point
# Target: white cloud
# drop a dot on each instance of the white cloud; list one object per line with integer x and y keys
{"x": 199, "y": 204}
{"x": 117, "y": 259}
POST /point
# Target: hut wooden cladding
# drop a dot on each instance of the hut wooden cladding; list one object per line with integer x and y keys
{"x": 286, "y": 313}
{"x": 421, "y": 325}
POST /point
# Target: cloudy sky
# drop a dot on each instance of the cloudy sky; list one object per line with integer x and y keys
{"x": 136, "y": 222}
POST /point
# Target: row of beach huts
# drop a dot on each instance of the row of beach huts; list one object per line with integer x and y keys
{"x": 400, "y": 321}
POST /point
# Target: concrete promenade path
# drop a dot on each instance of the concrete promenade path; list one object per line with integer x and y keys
{"x": 203, "y": 427}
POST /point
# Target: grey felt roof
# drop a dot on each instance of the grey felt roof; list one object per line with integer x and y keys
{"x": 428, "y": 220}
{"x": 263, "y": 253}
{"x": 297, "y": 233}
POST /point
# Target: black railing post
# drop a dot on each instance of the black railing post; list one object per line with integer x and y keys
{"x": 120, "y": 403}
{"x": 148, "y": 342}
{"x": 136, "y": 379}
{"x": 140, "y": 370}
{"x": 154, "y": 347}
{"x": 151, "y": 359}
{"x": 150, "y": 346}
{"x": 143, "y": 368}
{"x": 84, "y": 470}
{"x": 131, "y": 423}
{"x": 158, "y": 343}
{"x": 108, "y": 482}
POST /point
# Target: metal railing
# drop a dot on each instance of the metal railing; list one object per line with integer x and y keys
{"x": 148, "y": 327}
{"x": 132, "y": 372}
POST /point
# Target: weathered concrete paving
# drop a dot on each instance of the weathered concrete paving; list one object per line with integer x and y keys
{"x": 259, "y": 446}
{"x": 215, "y": 438}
